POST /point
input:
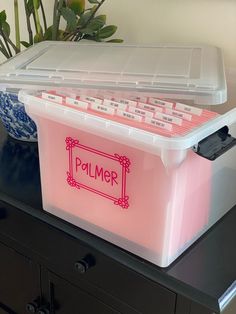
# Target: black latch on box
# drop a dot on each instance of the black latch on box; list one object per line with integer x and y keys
{"x": 215, "y": 144}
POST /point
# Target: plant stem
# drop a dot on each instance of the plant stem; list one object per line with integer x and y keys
{"x": 38, "y": 26}
{"x": 56, "y": 18}
{"x": 27, "y": 14}
{"x": 12, "y": 45}
{"x": 6, "y": 42}
{"x": 4, "y": 50}
{"x": 44, "y": 16}
{"x": 34, "y": 18}
{"x": 4, "y": 53}
{"x": 94, "y": 12}
{"x": 17, "y": 24}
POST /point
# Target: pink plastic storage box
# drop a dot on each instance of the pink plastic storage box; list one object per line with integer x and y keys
{"x": 120, "y": 156}
{"x": 151, "y": 194}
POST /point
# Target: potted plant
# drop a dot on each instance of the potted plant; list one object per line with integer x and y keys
{"x": 81, "y": 21}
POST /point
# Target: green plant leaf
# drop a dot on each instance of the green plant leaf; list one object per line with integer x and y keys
{"x": 97, "y": 22}
{"x": 94, "y": 25}
{"x": 116, "y": 40}
{"x": 93, "y": 1}
{"x": 3, "y": 17}
{"x": 60, "y": 34}
{"x": 38, "y": 38}
{"x": 106, "y": 31}
{"x": 77, "y": 6}
{"x": 30, "y": 5}
{"x": 48, "y": 33}
{"x": 70, "y": 18}
{"x": 25, "y": 44}
{"x": 84, "y": 18}
{"x": 6, "y": 29}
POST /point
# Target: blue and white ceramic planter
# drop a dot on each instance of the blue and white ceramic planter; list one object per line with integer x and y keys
{"x": 17, "y": 123}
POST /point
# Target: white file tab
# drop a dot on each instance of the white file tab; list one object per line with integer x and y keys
{"x": 115, "y": 104}
{"x": 159, "y": 102}
{"x": 189, "y": 109}
{"x": 141, "y": 112}
{"x": 159, "y": 124}
{"x": 104, "y": 109}
{"x": 149, "y": 107}
{"x": 179, "y": 114}
{"x": 168, "y": 118}
{"x": 128, "y": 115}
{"x": 77, "y": 103}
{"x": 91, "y": 99}
{"x": 52, "y": 97}
{"x": 127, "y": 102}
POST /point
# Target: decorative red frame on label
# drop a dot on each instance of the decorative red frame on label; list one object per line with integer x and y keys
{"x": 122, "y": 201}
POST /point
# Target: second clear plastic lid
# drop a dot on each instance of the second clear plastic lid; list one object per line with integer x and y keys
{"x": 168, "y": 70}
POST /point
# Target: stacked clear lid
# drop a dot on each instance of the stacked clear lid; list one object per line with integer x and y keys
{"x": 188, "y": 72}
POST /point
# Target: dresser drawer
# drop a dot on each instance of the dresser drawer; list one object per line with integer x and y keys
{"x": 71, "y": 257}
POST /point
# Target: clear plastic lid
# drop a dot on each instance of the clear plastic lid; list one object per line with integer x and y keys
{"x": 166, "y": 70}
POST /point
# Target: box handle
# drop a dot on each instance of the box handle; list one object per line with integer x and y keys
{"x": 216, "y": 144}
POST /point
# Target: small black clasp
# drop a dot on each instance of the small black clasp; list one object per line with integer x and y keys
{"x": 215, "y": 144}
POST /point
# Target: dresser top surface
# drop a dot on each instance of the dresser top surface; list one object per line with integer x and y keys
{"x": 205, "y": 273}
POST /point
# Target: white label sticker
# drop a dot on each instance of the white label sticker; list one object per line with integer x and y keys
{"x": 127, "y": 102}
{"x": 179, "y": 114}
{"x": 91, "y": 99}
{"x": 168, "y": 118}
{"x": 159, "y": 124}
{"x": 115, "y": 104}
{"x": 141, "y": 112}
{"x": 77, "y": 103}
{"x": 104, "y": 109}
{"x": 149, "y": 107}
{"x": 129, "y": 115}
{"x": 52, "y": 97}
{"x": 159, "y": 102}
{"x": 138, "y": 98}
{"x": 190, "y": 109}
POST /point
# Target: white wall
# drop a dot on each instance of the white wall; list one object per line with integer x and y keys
{"x": 8, "y": 6}
{"x": 206, "y": 21}
{"x": 145, "y": 21}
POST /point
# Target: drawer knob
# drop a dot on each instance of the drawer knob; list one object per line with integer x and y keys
{"x": 83, "y": 265}
{"x": 43, "y": 311}
{"x": 32, "y": 307}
